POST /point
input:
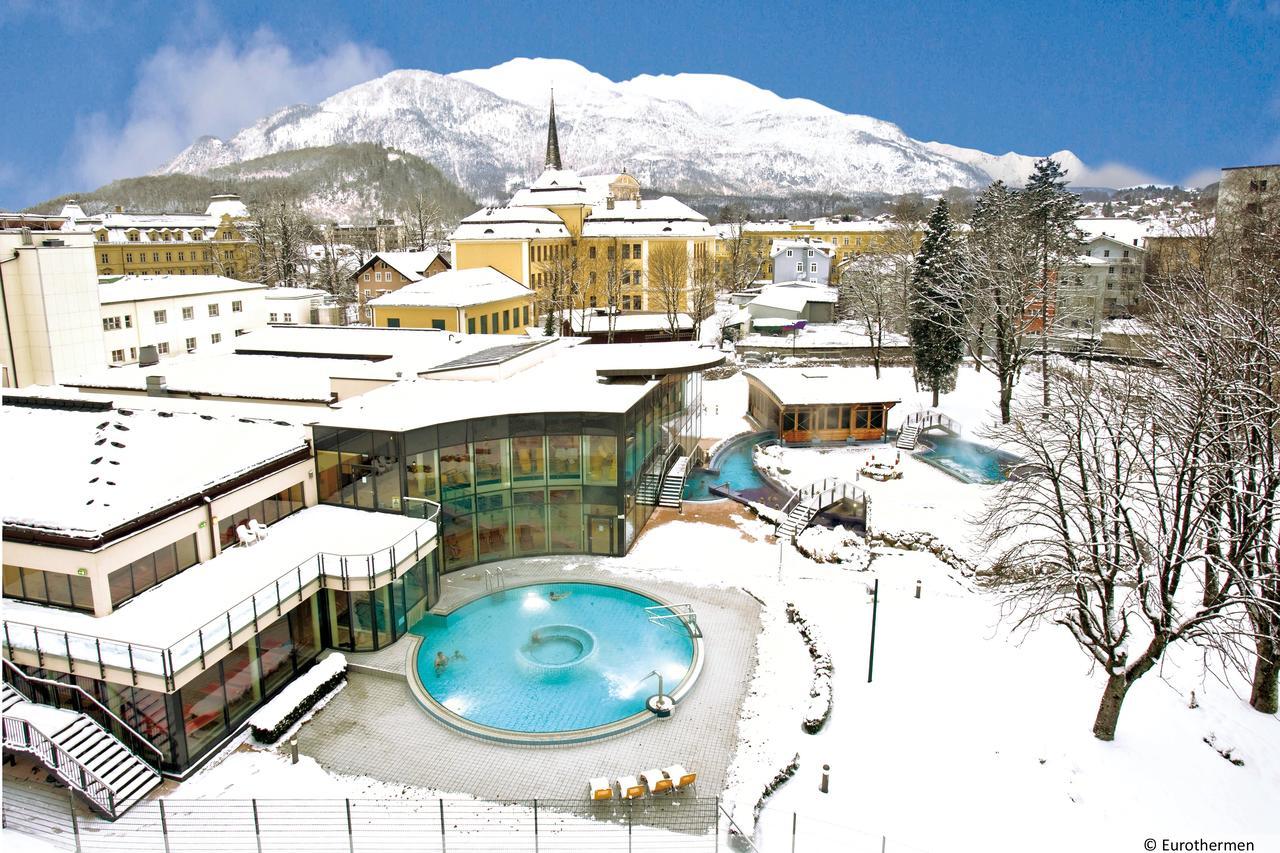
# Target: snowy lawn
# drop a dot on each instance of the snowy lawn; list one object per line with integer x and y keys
{"x": 969, "y": 737}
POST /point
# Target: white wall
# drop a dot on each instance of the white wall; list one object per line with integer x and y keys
{"x": 175, "y": 330}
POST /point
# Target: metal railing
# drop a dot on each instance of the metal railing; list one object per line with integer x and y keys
{"x": 22, "y": 736}
{"x": 665, "y": 824}
{"x": 661, "y": 614}
{"x": 808, "y": 501}
{"x": 44, "y": 691}
{"x": 930, "y": 418}
{"x": 322, "y": 570}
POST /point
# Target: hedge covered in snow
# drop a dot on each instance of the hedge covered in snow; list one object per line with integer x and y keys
{"x": 819, "y": 710}
{"x": 273, "y": 719}
{"x": 927, "y": 542}
{"x": 834, "y": 545}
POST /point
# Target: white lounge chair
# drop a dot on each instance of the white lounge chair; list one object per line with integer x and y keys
{"x": 600, "y": 788}
{"x": 630, "y": 787}
{"x": 258, "y": 529}
{"x": 680, "y": 777}
{"x": 657, "y": 782}
{"x": 245, "y": 535}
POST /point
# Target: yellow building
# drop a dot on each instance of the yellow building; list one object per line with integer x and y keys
{"x": 385, "y": 272}
{"x": 590, "y": 241}
{"x": 476, "y": 301}
{"x": 211, "y": 243}
{"x": 846, "y": 238}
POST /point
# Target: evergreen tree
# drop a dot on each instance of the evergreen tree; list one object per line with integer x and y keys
{"x": 936, "y": 310}
{"x": 1050, "y": 212}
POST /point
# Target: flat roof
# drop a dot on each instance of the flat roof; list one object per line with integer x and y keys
{"x": 572, "y": 378}
{"x": 138, "y": 288}
{"x": 84, "y": 473}
{"x": 455, "y": 289}
{"x": 171, "y": 610}
{"x": 822, "y": 386}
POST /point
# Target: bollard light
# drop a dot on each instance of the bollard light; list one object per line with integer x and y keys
{"x": 293, "y": 749}
{"x": 826, "y": 778}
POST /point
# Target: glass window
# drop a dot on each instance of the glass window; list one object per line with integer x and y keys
{"x": 386, "y": 473}
{"x": 304, "y": 627}
{"x": 421, "y": 470}
{"x": 203, "y": 706}
{"x": 602, "y": 459}
{"x": 455, "y": 470}
{"x": 528, "y": 460}
{"x": 564, "y": 515}
{"x": 243, "y": 690}
{"x": 57, "y": 588}
{"x": 459, "y": 547}
{"x": 491, "y": 467}
{"x": 565, "y": 457}
{"x": 877, "y": 418}
{"x": 862, "y": 418}
{"x": 13, "y": 582}
{"x": 144, "y": 573}
{"x": 529, "y": 522}
{"x": 275, "y": 654}
{"x": 327, "y": 470}
{"x": 493, "y": 534}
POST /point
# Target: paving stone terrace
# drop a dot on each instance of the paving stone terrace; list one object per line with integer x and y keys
{"x": 375, "y": 727}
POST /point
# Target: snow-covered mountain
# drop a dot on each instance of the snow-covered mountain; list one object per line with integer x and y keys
{"x": 697, "y": 133}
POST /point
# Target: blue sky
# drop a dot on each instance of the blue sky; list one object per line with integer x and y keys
{"x": 1167, "y": 91}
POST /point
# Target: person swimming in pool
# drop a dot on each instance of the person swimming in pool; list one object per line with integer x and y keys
{"x": 558, "y": 596}
{"x": 535, "y": 638}
{"x": 458, "y": 655}
{"x": 441, "y": 663}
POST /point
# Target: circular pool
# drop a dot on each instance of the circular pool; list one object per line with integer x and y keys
{"x": 551, "y": 662}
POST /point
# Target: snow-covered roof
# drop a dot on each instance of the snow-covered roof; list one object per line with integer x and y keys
{"x": 1128, "y": 231}
{"x": 137, "y": 288}
{"x": 655, "y": 217}
{"x": 637, "y": 322}
{"x": 510, "y": 223}
{"x": 569, "y": 378}
{"x": 826, "y": 386}
{"x": 793, "y": 298}
{"x": 279, "y": 293}
{"x": 809, "y": 226}
{"x": 553, "y": 187}
{"x": 456, "y": 289}
{"x": 87, "y": 472}
{"x": 168, "y": 612}
{"x": 409, "y": 264}
{"x": 800, "y": 244}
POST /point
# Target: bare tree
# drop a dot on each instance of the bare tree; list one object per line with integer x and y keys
{"x": 702, "y": 287}
{"x": 423, "y": 222}
{"x": 1103, "y": 528}
{"x": 869, "y": 294}
{"x": 740, "y": 257}
{"x": 1216, "y": 327}
{"x": 668, "y": 279}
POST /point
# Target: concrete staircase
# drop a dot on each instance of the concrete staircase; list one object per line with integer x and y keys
{"x": 91, "y": 761}
{"x": 907, "y": 437}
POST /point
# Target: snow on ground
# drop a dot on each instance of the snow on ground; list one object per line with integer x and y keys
{"x": 724, "y": 401}
{"x": 971, "y": 736}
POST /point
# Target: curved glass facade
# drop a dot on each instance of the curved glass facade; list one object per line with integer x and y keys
{"x": 521, "y": 484}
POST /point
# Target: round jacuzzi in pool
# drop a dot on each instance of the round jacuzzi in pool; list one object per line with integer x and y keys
{"x": 552, "y": 662}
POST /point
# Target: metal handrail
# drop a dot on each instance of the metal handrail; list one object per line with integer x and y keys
{"x": 58, "y": 760}
{"x": 58, "y": 685}
{"x": 736, "y": 828}
{"x": 931, "y": 417}
{"x": 167, "y": 662}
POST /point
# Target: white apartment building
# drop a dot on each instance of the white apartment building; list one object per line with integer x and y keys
{"x": 175, "y": 314}
{"x": 301, "y": 306}
{"x": 52, "y": 329}
{"x": 803, "y": 260}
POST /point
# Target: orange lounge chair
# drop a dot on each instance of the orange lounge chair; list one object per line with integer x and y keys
{"x": 680, "y": 777}
{"x": 657, "y": 782}
{"x": 630, "y": 787}
{"x": 600, "y": 788}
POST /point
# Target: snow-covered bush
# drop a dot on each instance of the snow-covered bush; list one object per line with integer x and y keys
{"x": 819, "y": 709}
{"x": 927, "y": 542}
{"x": 774, "y": 784}
{"x": 273, "y": 719}
{"x": 834, "y": 545}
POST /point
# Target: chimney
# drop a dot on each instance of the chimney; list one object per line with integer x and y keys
{"x": 637, "y": 202}
{"x": 26, "y": 237}
{"x": 119, "y": 208}
{"x": 608, "y": 201}
{"x": 156, "y": 387}
{"x": 148, "y": 355}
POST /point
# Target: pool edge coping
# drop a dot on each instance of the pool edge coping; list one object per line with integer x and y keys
{"x": 455, "y": 721}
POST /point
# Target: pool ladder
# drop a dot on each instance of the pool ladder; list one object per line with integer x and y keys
{"x": 665, "y": 614}
{"x": 495, "y": 578}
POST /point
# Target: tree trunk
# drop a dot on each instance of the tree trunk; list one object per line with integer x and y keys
{"x": 935, "y": 396}
{"x": 1006, "y": 399}
{"x": 1266, "y": 677}
{"x": 1104, "y": 725}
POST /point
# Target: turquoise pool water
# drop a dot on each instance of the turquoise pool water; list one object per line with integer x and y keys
{"x": 735, "y": 469}
{"x": 971, "y": 462}
{"x": 551, "y": 658}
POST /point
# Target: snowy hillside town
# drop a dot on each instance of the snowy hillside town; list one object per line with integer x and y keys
{"x": 510, "y": 458}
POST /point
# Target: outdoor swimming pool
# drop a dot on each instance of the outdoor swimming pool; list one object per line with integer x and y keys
{"x": 973, "y": 463}
{"x": 735, "y": 469}
{"x": 550, "y": 658}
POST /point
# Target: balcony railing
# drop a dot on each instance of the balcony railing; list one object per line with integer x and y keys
{"x": 323, "y": 570}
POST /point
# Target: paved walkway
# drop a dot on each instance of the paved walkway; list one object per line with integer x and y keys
{"x": 375, "y": 727}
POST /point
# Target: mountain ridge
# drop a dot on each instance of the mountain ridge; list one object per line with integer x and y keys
{"x": 701, "y": 133}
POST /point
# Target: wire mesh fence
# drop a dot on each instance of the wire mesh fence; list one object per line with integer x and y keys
{"x": 384, "y": 826}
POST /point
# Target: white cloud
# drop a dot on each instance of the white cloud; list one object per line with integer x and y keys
{"x": 1201, "y": 178}
{"x": 1114, "y": 175}
{"x": 183, "y": 94}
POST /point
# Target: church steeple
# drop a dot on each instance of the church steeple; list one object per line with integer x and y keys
{"x": 553, "y": 141}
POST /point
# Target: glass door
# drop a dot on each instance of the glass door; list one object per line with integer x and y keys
{"x": 600, "y": 534}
